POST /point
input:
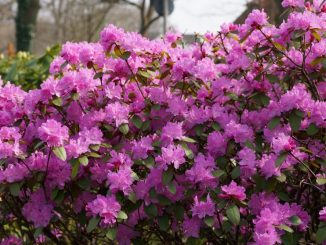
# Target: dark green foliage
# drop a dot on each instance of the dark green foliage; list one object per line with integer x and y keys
{"x": 27, "y": 70}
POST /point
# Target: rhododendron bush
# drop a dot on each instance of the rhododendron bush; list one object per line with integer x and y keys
{"x": 152, "y": 142}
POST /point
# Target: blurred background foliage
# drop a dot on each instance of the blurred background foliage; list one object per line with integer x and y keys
{"x": 25, "y": 69}
{"x": 33, "y": 25}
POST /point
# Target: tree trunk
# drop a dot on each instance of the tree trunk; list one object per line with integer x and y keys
{"x": 25, "y": 23}
{"x": 273, "y": 8}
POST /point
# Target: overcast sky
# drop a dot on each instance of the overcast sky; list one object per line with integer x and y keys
{"x": 191, "y": 16}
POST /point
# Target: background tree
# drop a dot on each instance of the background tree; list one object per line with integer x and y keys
{"x": 25, "y": 23}
{"x": 273, "y": 8}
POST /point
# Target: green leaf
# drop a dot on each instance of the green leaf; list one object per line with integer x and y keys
{"x": 75, "y": 96}
{"x": 250, "y": 145}
{"x": 232, "y": 96}
{"x": 134, "y": 176}
{"x": 295, "y": 121}
{"x": 144, "y": 74}
{"x": 199, "y": 130}
{"x": 64, "y": 64}
{"x": 122, "y": 215}
{"x": 233, "y": 214}
{"x": 272, "y": 78}
{"x": 14, "y": 189}
{"x": 187, "y": 150}
{"x": 279, "y": 46}
{"x": 60, "y": 152}
{"x": 98, "y": 75}
{"x": 321, "y": 181}
{"x": 92, "y": 224}
{"x": 60, "y": 196}
{"x": 216, "y": 126}
{"x": 111, "y": 233}
{"x": 83, "y": 160}
{"x": 132, "y": 197}
{"x": 285, "y": 228}
{"x": 94, "y": 155}
{"x": 137, "y": 121}
{"x": 283, "y": 196}
{"x": 281, "y": 178}
{"x": 167, "y": 176}
{"x": 280, "y": 159}
{"x": 57, "y": 101}
{"x": 218, "y": 173}
{"x": 124, "y": 128}
{"x": 235, "y": 172}
{"x": 290, "y": 239}
{"x": 146, "y": 125}
{"x": 188, "y": 140}
{"x": 125, "y": 55}
{"x": 152, "y": 193}
{"x": 303, "y": 149}
{"x": 163, "y": 200}
{"x": 95, "y": 147}
{"x": 84, "y": 183}
{"x": 316, "y": 35}
{"x": 321, "y": 233}
{"x": 209, "y": 221}
{"x": 163, "y": 222}
{"x": 38, "y": 232}
{"x": 264, "y": 99}
{"x": 11, "y": 73}
{"x": 74, "y": 169}
{"x": 149, "y": 162}
{"x": 312, "y": 129}
{"x": 295, "y": 220}
{"x": 178, "y": 212}
{"x": 274, "y": 122}
{"x": 151, "y": 210}
{"x": 172, "y": 188}
{"x": 54, "y": 193}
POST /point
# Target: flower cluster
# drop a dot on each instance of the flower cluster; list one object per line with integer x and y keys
{"x": 138, "y": 141}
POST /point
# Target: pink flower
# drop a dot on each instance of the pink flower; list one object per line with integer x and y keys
{"x": 203, "y": 208}
{"x": 38, "y": 210}
{"x": 293, "y": 3}
{"x": 9, "y": 142}
{"x": 121, "y": 180}
{"x": 205, "y": 69}
{"x": 117, "y": 113}
{"x": 240, "y": 132}
{"x": 322, "y": 88}
{"x": 233, "y": 191}
{"x": 81, "y": 201}
{"x": 201, "y": 171}
{"x": 86, "y": 138}
{"x": 172, "y": 155}
{"x": 283, "y": 142}
{"x": 11, "y": 240}
{"x": 15, "y": 172}
{"x": 191, "y": 227}
{"x": 110, "y": 35}
{"x": 322, "y": 214}
{"x": 256, "y": 18}
{"x": 216, "y": 144}
{"x": 140, "y": 148}
{"x": 172, "y": 131}
{"x": 106, "y": 207}
{"x": 53, "y": 133}
{"x": 247, "y": 159}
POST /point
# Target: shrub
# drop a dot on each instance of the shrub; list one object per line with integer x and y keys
{"x": 27, "y": 70}
{"x": 150, "y": 142}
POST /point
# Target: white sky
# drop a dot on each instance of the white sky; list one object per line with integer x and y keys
{"x": 191, "y": 16}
